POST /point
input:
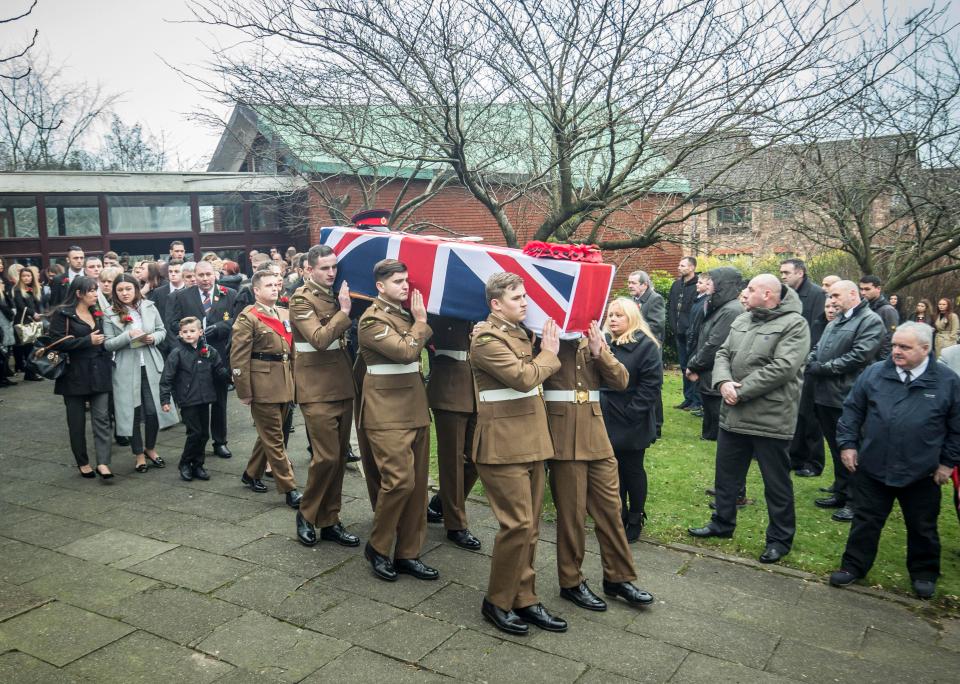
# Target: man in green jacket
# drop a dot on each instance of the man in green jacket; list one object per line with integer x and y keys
{"x": 758, "y": 372}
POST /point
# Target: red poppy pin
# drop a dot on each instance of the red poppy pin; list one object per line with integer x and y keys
{"x": 222, "y": 289}
{"x": 128, "y": 319}
{"x": 284, "y": 300}
{"x": 204, "y": 352}
{"x": 97, "y": 313}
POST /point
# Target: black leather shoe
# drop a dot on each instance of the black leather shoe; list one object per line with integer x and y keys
{"x": 415, "y": 568}
{"x": 583, "y": 597}
{"x": 255, "y": 485}
{"x": 806, "y": 472}
{"x": 222, "y": 451}
{"x": 924, "y": 588}
{"x": 828, "y": 502}
{"x": 464, "y": 539}
{"x": 337, "y": 533}
{"x": 122, "y": 441}
{"x": 842, "y": 578}
{"x": 828, "y": 490}
{"x": 845, "y": 514}
{"x": 351, "y": 457}
{"x": 293, "y": 498}
{"x": 435, "y": 510}
{"x": 504, "y": 620}
{"x": 772, "y": 555}
{"x": 628, "y": 592}
{"x": 539, "y": 616}
{"x": 708, "y": 531}
{"x": 200, "y": 473}
{"x": 186, "y": 472}
{"x": 381, "y": 565}
{"x": 633, "y": 530}
{"x": 305, "y": 531}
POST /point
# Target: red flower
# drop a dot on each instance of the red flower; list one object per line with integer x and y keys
{"x": 284, "y": 300}
{"x": 97, "y": 313}
{"x": 128, "y": 319}
{"x": 204, "y": 351}
{"x": 222, "y": 289}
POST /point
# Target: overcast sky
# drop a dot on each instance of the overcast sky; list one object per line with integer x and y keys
{"x": 122, "y": 44}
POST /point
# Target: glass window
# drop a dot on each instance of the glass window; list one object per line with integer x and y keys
{"x": 72, "y": 215}
{"x": 219, "y": 213}
{"x": 737, "y": 214}
{"x": 264, "y": 213}
{"x": 18, "y": 217}
{"x": 148, "y": 213}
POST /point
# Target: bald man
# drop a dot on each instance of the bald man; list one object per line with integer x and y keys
{"x": 829, "y": 281}
{"x": 758, "y": 372}
{"x": 849, "y": 344}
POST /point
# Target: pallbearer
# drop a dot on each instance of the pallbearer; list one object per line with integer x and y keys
{"x": 324, "y": 386}
{"x": 262, "y": 363}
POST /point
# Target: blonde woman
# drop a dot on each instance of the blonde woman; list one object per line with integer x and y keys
{"x": 947, "y": 326}
{"x": 28, "y": 305}
{"x": 630, "y": 415}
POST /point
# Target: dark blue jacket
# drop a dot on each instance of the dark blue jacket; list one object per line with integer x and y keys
{"x": 902, "y": 432}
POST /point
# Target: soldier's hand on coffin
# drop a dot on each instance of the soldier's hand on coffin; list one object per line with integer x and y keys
{"x": 551, "y": 336}
{"x": 417, "y": 308}
{"x": 343, "y": 297}
{"x": 595, "y": 339}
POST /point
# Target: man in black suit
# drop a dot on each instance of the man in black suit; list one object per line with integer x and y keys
{"x": 161, "y": 296}
{"x": 213, "y": 306}
{"x": 60, "y": 284}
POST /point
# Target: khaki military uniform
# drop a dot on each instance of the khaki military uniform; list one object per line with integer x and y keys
{"x": 324, "y": 390}
{"x": 510, "y": 443}
{"x": 583, "y": 472}
{"x": 452, "y": 396}
{"x": 262, "y": 363}
{"x": 395, "y": 421}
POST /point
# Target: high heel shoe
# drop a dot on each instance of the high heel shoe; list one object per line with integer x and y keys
{"x": 89, "y": 475}
{"x": 103, "y": 475}
{"x": 157, "y": 462}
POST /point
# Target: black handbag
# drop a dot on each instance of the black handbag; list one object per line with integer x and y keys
{"x": 45, "y": 359}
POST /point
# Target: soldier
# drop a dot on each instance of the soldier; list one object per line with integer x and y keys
{"x": 451, "y": 394}
{"x": 396, "y": 422}
{"x": 324, "y": 388}
{"x": 509, "y": 446}
{"x": 583, "y": 473}
{"x": 262, "y": 362}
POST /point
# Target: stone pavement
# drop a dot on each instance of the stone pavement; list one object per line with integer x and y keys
{"x": 151, "y": 579}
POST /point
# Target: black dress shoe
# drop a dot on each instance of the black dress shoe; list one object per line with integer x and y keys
{"x": 772, "y": 554}
{"x": 89, "y": 474}
{"x": 828, "y": 490}
{"x": 844, "y": 514}
{"x": 464, "y": 539}
{"x": 683, "y": 406}
{"x": 829, "y": 502}
{"x": 351, "y": 457}
{"x": 539, "y": 616}
{"x": 254, "y": 485}
{"x": 200, "y": 473}
{"x": 628, "y": 592}
{"x": 924, "y": 589}
{"x": 293, "y": 498}
{"x": 583, "y": 597}
{"x": 186, "y": 472}
{"x": 337, "y": 533}
{"x": 415, "y": 568}
{"x": 708, "y": 531}
{"x": 381, "y": 565}
{"x": 122, "y": 441}
{"x": 842, "y": 578}
{"x": 157, "y": 462}
{"x": 305, "y": 531}
{"x": 222, "y": 451}
{"x": 435, "y": 510}
{"x": 504, "y": 620}
{"x": 103, "y": 475}
{"x": 633, "y": 531}
{"x": 806, "y": 472}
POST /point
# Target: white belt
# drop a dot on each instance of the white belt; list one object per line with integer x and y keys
{"x": 452, "y": 353}
{"x": 572, "y": 396}
{"x": 307, "y": 347}
{"x": 506, "y": 394}
{"x": 393, "y": 368}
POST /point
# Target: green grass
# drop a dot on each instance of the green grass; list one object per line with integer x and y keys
{"x": 680, "y": 466}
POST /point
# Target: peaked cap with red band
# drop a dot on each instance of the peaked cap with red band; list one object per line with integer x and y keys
{"x": 371, "y": 218}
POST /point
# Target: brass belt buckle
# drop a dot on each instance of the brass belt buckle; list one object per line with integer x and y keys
{"x": 583, "y": 396}
{"x": 286, "y": 357}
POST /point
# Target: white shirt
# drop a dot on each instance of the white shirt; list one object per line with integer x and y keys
{"x": 137, "y": 324}
{"x": 71, "y": 274}
{"x": 914, "y": 372}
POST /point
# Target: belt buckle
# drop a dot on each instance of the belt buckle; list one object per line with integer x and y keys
{"x": 583, "y": 396}
{"x": 286, "y": 357}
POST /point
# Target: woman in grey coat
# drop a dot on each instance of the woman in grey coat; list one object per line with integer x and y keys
{"x": 134, "y": 328}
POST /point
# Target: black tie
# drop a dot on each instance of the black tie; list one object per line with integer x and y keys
{"x": 906, "y": 377}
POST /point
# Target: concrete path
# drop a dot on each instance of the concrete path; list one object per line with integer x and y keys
{"x": 151, "y": 579}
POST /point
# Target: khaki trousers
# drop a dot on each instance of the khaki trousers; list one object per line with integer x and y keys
{"x": 268, "y": 419}
{"x": 581, "y": 487}
{"x": 328, "y": 429}
{"x": 457, "y": 474}
{"x": 400, "y": 514}
{"x": 515, "y": 493}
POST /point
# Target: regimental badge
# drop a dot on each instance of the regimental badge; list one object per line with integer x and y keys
{"x": 226, "y": 315}
{"x": 237, "y": 371}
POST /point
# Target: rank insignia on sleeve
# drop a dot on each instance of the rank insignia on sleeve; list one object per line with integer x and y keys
{"x": 483, "y": 339}
{"x": 386, "y": 329}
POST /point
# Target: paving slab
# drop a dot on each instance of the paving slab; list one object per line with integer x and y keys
{"x": 353, "y": 616}
{"x": 263, "y": 645}
{"x": 950, "y": 636}
{"x": 292, "y": 557}
{"x": 208, "y": 504}
{"x": 747, "y": 579}
{"x": 142, "y": 658}
{"x": 208, "y": 535}
{"x": 58, "y": 633}
{"x": 179, "y": 615}
{"x": 20, "y": 563}
{"x": 11, "y": 514}
{"x": 703, "y": 669}
{"x": 928, "y": 662}
{"x": 90, "y": 585}
{"x": 116, "y": 548}
{"x": 808, "y": 663}
{"x": 193, "y": 569}
{"x": 86, "y": 506}
{"x": 20, "y": 667}
{"x": 408, "y": 637}
{"x": 460, "y": 605}
{"x": 356, "y": 577}
{"x": 25, "y": 491}
{"x": 15, "y": 600}
{"x": 50, "y": 531}
{"x": 285, "y": 597}
{"x": 360, "y": 665}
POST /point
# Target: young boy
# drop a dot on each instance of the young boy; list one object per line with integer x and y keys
{"x": 188, "y": 375}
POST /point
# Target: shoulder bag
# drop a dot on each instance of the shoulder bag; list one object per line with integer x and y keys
{"x": 27, "y": 333}
{"x": 45, "y": 359}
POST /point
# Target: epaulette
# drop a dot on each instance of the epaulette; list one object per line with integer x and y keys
{"x": 484, "y": 338}
{"x": 367, "y": 322}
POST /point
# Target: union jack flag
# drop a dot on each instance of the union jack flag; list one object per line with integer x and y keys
{"x": 451, "y": 276}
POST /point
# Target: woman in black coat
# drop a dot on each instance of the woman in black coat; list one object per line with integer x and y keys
{"x": 88, "y": 375}
{"x": 27, "y": 300}
{"x": 631, "y": 415}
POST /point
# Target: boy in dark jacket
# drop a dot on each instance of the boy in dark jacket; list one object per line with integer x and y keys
{"x": 188, "y": 375}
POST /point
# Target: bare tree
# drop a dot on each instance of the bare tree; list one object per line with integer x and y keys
{"x": 129, "y": 148}
{"x": 582, "y": 109}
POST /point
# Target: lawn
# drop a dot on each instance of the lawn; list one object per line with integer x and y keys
{"x": 680, "y": 466}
